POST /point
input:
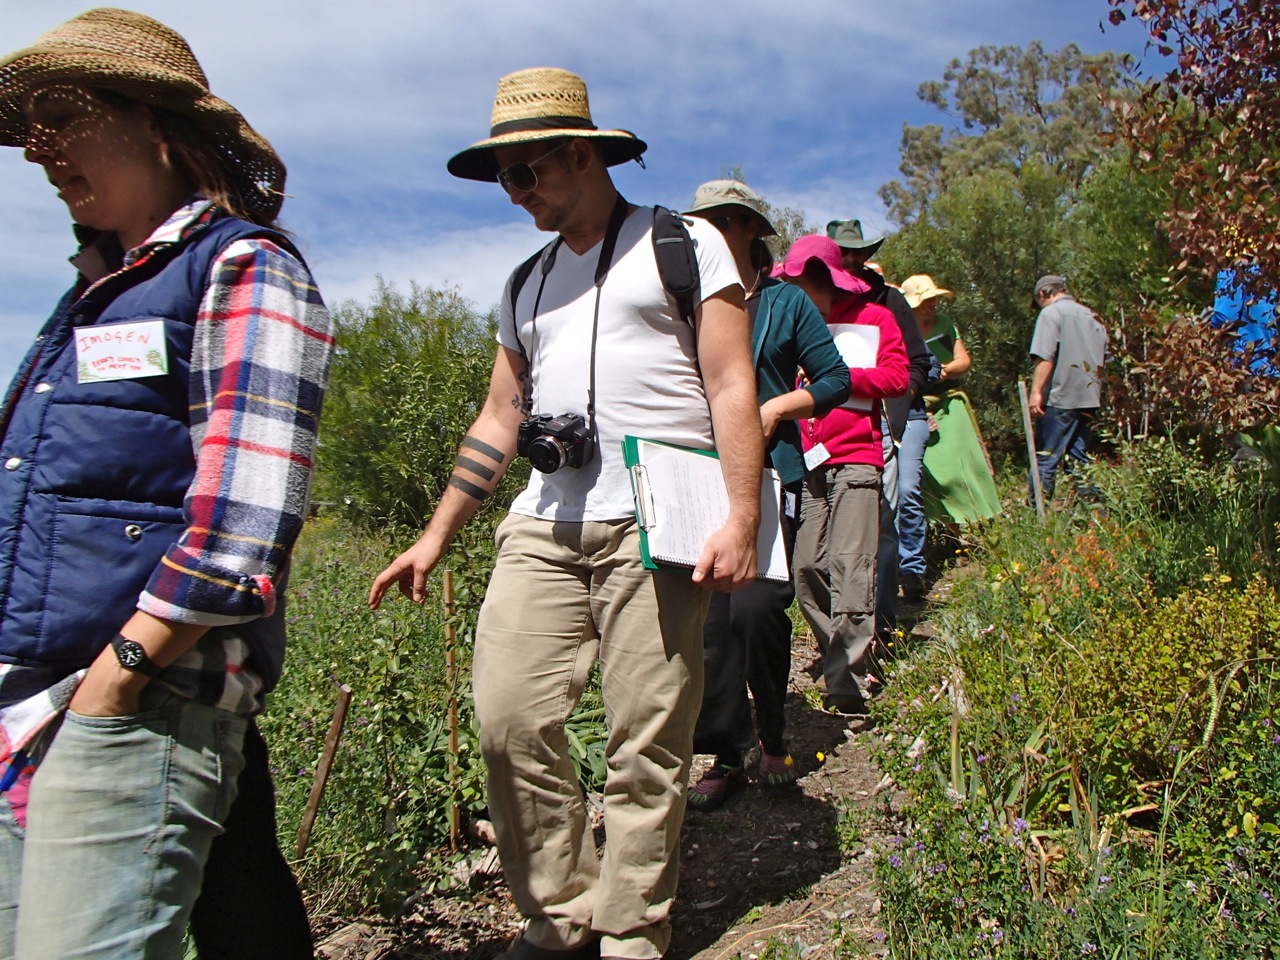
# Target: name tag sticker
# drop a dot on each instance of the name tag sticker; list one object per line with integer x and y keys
{"x": 816, "y": 457}
{"x": 121, "y": 351}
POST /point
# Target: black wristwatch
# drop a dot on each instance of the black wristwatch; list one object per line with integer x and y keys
{"x": 133, "y": 657}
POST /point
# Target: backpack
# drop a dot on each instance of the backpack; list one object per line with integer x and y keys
{"x": 674, "y": 251}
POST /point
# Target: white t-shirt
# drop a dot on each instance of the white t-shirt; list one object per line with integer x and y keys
{"x": 647, "y": 379}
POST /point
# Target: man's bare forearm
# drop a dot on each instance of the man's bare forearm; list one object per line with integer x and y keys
{"x": 740, "y": 445}
{"x": 484, "y": 456}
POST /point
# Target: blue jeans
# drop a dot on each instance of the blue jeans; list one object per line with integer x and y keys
{"x": 121, "y": 816}
{"x": 1062, "y": 436}
{"x": 911, "y": 517}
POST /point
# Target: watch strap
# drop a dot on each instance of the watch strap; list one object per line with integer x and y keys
{"x": 132, "y": 656}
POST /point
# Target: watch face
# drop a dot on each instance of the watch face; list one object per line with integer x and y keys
{"x": 131, "y": 654}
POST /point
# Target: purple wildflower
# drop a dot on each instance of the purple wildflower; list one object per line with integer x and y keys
{"x": 1088, "y": 947}
{"x": 1019, "y": 826}
{"x": 895, "y": 861}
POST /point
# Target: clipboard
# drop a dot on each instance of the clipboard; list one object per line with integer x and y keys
{"x": 859, "y": 346}
{"x": 681, "y": 499}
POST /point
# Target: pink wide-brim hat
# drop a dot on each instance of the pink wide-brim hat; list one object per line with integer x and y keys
{"x": 815, "y": 246}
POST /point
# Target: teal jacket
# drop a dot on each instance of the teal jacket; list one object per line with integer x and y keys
{"x": 788, "y": 334}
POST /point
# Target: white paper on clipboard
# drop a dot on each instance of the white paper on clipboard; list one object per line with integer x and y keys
{"x": 859, "y": 345}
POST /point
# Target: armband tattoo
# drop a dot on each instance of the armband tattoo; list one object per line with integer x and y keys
{"x": 470, "y": 489}
{"x": 475, "y": 466}
{"x": 479, "y": 446}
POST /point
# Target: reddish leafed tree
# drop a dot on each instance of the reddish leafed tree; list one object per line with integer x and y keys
{"x": 1212, "y": 124}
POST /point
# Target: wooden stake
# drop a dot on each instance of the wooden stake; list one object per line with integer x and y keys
{"x": 1037, "y": 491}
{"x": 451, "y": 668}
{"x": 321, "y": 778}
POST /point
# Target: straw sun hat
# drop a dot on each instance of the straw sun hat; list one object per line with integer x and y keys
{"x": 920, "y": 287}
{"x": 141, "y": 58}
{"x": 541, "y": 103}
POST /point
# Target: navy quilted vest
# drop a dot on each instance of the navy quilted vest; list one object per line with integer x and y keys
{"x": 93, "y": 475}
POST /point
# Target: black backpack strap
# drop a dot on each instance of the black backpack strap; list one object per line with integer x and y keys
{"x": 519, "y": 277}
{"x": 677, "y": 259}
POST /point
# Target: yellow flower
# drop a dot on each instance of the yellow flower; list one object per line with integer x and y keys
{"x": 822, "y": 757}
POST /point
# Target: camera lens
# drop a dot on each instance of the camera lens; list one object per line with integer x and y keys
{"x": 547, "y": 454}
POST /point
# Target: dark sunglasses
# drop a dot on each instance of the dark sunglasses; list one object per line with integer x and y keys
{"x": 723, "y": 221}
{"x": 522, "y": 176}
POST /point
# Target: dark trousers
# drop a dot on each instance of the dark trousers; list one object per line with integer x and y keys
{"x": 1062, "y": 440}
{"x": 249, "y": 906}
{"x": 746, "y": 644}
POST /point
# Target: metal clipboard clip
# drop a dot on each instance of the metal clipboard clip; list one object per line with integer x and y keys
{"x": 643, "y": 497}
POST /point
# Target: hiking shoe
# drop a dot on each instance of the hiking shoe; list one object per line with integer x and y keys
{"x": 715, "y": 786}
{"x": 846, "y": 706}
{"x": 777, "y": 770}
{"x": 914, "y": 587}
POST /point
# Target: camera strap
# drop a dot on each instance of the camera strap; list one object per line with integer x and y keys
{"x": 616, "y": 219}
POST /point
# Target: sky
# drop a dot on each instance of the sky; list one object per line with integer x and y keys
{"x": 366, "y": 102}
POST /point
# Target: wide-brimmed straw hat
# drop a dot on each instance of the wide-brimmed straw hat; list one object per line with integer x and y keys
{"x": 541, "y": 103}
{"x": 731, "y": 195}
{"x": 920, "y": 287}
{"x": 140, "y": 58}
{"x": 814, "y": 246}
{"x": 848, "y": 235}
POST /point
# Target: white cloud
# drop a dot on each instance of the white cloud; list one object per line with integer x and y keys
{"x": 477, "y": 262}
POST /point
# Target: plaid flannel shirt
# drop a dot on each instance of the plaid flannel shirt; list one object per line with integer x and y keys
{"x": 263, "y": 343}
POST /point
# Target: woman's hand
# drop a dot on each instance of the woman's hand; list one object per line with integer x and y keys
{"x": 108, "y": 689}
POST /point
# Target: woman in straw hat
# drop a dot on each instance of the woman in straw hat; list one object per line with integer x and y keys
{"x": 747, "y": 636}
{"x": 157, "y": 444}
{"x": 835, "y": 554}
{"x": 956, "y": 483}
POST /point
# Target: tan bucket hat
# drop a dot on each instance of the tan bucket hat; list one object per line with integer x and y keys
{"x": 131, "y": 54}
{"x": 715, "y": 194}
{"x": 541, "y": 103}
{"x": 920, "y": 287}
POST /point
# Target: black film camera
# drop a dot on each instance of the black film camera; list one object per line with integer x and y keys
{"x": 554, "y": 442}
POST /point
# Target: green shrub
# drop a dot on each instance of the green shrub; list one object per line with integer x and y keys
{"x": 409, "y": 377}
{"x": 388, "y": 799}
{"x": 1088, "y": 748}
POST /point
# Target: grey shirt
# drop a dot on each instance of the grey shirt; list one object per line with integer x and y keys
{"x": 1070, "y": 335}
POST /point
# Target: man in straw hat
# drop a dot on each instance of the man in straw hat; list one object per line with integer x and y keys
{"x": 908, "y": 432}
{"x": 157, "y": 442}
{"x": 594, "y": 340}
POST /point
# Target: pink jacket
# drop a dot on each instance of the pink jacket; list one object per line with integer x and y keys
{"x": 853, "y": 436}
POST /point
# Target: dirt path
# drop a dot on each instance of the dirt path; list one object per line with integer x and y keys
{"x": 772, "y": 863}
